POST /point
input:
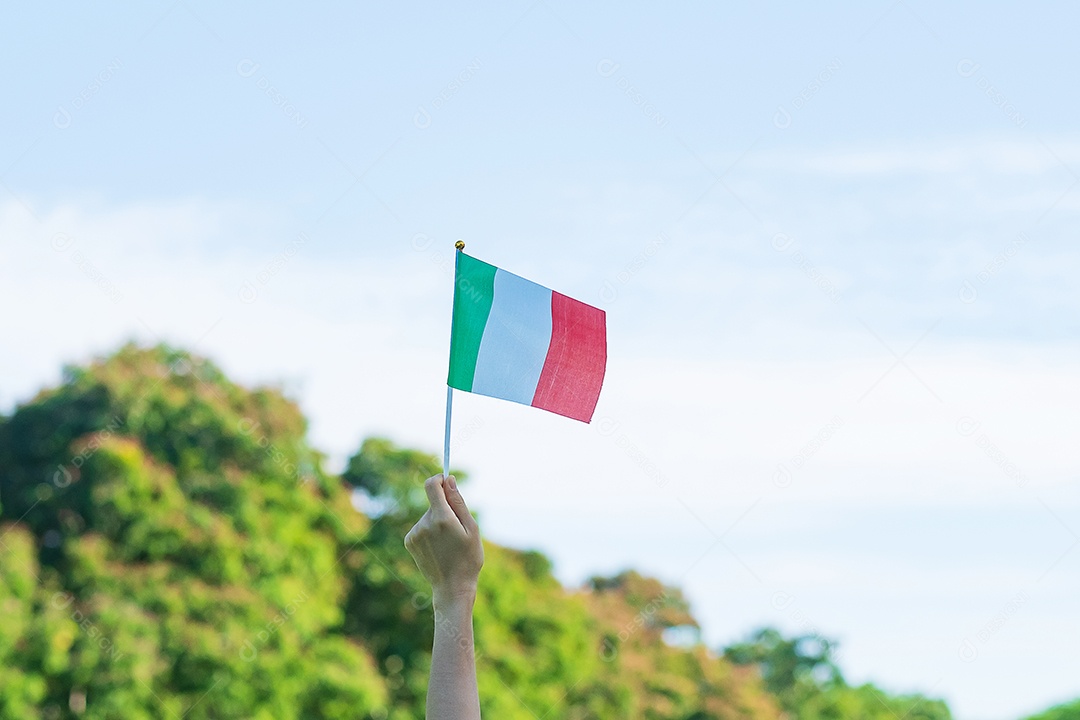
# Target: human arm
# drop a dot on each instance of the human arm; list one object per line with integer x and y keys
{"x": 445, "y": 543}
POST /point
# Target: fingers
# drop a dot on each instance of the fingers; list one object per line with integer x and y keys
{"x": 436, "y": 495}
{"x": 457, "y": 504}
{"x": 410, "y": 537}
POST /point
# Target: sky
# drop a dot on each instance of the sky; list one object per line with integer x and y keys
{"x": 835, "y": 244}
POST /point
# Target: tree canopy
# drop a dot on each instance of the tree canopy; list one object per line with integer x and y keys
{"x": 171, "y": 545}
{"x": 800, "y": 673}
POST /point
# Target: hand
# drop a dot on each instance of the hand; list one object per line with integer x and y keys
{"x": 445, "y": 543}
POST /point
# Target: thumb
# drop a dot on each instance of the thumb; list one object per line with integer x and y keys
{"x": 433, "y": 486}
{"x": 457, "y": 504}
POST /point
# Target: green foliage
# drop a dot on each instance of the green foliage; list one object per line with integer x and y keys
{"x": 171, "y": 547}
{"x": 542, "y": 652}
{"x": 186, "y": 554}
{"x": 872, "y": 703}
{"x": 395, "y": 475}
{"x": 801, "y": 674}
{"x": 1067, "y": 711}
{"x": 791, "y": 668}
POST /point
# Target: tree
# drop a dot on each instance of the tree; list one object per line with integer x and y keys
{"x": 800, "y": 672}
{"x": 186, "y": 554}
{"x": 1066, "y": 711}
{"x": 171, "y": 545}
{"x": 393, "y": 476}
{"x": 788, "y": 665}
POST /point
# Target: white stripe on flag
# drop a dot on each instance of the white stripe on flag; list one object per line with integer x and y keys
{"x": 515, "y": 341}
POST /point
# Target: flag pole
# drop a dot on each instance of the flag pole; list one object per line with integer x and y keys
{"x": 446, "y": 437}
{"x": 458, "y": 247}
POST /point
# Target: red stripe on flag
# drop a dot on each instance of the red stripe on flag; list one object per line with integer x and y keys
{"x": 574, "y": 367}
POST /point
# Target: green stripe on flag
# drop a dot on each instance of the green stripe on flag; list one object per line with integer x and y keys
{"x": 474, "y": 284}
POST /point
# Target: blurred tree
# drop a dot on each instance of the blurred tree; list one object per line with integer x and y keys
{"x": 801, "y": 674}
{"x": 170, "y": 545}
{"x": 188, "y": 554}
{"x": 788, "y": 664}
{"x": 394, "y": 476}
{"x": 1066, "y": 711}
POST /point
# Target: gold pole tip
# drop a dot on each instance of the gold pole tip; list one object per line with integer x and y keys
{"x": 460, "y": 244}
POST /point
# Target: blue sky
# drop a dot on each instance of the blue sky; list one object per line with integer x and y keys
{"x": 835, "y": 244}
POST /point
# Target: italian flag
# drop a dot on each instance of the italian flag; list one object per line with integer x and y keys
{"x": 516, "y": 340}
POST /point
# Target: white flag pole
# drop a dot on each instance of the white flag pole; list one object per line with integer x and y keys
{"x": 458, "y": 247}
{"x": 446, "y": 437}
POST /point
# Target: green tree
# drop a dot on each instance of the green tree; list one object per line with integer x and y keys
{"x": 171, "y": 545}
{"x": 789, "y": 666}
{"x": 394, "y": 476}
{"x": 1066, "y": 711}
{"x": 188, "y": 554}
{"x": 801, "y": 673}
